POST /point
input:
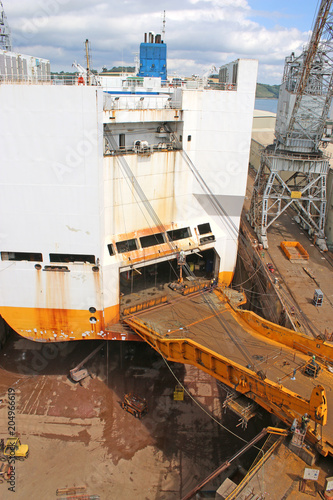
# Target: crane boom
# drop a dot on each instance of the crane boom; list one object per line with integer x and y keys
{"x": 313, "y": 72}
{"x": 314, "y": 43}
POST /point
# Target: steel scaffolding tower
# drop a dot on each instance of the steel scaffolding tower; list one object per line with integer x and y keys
{"x": 5, "y": 35}
{"x": 293, "y": 170}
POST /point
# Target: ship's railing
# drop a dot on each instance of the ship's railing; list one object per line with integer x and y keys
{"x": 221, "y": 86}
{"x": 38, "y": 80}
{"x": 203, "y": 84}
{"x": 114, "y": 102}
{"x": 25, "y": 80}
{"x": 64, "y": 80}
{"x": 73, "y": 80}
{"x": 142, "y": 149}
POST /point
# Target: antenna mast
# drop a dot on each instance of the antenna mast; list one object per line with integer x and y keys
{"x": 88, "y": 60}
{"x": 163, "y": 26}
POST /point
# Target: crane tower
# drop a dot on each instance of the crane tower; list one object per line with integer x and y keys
{"x": 5, "y": 34}
{"x": 293, "y": 170}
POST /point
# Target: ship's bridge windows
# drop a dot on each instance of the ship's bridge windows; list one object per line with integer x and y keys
{"x": 29, "y": 256}
{"x": 151, "y": 240}
{"x": 127, "y": 245}
{"x": 179, "y": 234}
{"x": 72, "y": 257}
{"x": 111, "y": 249}
{"x": 204, "y": 228}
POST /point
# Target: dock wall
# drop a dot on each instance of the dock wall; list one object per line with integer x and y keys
{"x": 255, "y": 280}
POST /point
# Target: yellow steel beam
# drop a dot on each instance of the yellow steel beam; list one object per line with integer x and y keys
{"x": 275, "y": 398}
{"x": 277, "y": 431}
{"x": 290, "y": 338}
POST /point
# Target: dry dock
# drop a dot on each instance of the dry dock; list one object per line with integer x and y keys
{"x": 80, "y": 435}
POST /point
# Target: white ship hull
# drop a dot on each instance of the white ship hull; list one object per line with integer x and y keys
{"x": 73, "y": 221}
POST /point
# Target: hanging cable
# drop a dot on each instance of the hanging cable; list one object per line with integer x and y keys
{"x": 199, "y": 405}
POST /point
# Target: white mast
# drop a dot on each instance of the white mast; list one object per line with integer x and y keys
{"x": 163, "y": 26}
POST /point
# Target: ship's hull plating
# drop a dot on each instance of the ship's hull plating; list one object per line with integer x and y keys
{"x": 90, "y": 178}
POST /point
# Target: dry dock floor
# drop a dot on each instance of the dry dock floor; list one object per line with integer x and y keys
{"x": 79, "y": 435}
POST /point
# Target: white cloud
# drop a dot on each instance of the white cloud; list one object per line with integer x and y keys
{"x": 269, "y": 72}
{"x": 199, "y": 33}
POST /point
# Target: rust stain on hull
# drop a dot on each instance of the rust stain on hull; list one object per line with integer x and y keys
{"x": 58, "y": 325}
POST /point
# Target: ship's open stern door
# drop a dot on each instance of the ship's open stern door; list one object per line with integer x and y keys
{"x": 148, "y": 281}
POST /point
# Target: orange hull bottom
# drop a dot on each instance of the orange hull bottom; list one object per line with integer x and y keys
{"x": 64, "y": 325}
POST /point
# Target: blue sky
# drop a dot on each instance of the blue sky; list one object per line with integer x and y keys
{"x": 290, "y": 14}
{"x": 199, "y": 33}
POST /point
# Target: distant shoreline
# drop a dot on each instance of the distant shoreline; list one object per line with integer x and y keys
{"x": 265, "y": 91}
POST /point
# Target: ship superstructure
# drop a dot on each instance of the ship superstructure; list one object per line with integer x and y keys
{"x": 98, "y": 193}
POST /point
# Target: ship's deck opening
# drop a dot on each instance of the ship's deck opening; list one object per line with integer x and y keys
{"x": 148, "y": 282}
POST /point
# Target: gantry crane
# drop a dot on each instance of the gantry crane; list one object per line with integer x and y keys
{"x": 293, "y": 170}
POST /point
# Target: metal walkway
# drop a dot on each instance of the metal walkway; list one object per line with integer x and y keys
{"x": 259, "y": 359}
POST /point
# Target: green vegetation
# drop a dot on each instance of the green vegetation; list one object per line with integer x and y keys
{"x": 63, "y": 73}
{"x": 265, "y": 91}
{"x": 119, "y": 69}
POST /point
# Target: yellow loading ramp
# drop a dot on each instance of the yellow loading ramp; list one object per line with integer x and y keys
{"x": 257, "y": 358}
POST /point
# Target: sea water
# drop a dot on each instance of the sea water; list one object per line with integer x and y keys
{"x": 266, "y": 105}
